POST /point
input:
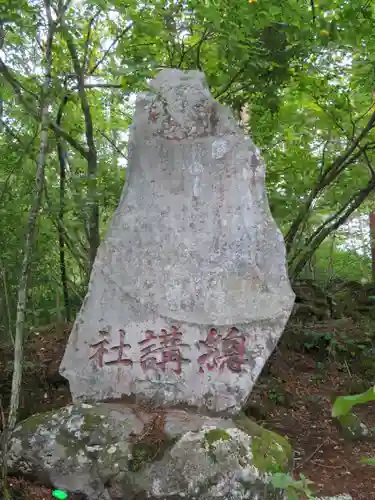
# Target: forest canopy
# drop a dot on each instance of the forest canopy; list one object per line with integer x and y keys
{"x": 69, "y": 71}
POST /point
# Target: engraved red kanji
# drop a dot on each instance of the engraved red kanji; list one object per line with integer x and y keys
{"x": 165, "y": 349}
{"x": 233, "y": 349}
{"x": 146, "y": 361}
{"x": 101, "y": 349}
{"x": 212, "y": 346}
{"x": 221, "y": 352}
{"x": 120, "y": 348}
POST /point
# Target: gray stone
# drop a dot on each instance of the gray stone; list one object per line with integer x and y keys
{"x": 336, "y": 497}
{"x": 111, "y": 451}
{"x": 352, "y": 428}
{"x": 189, "y": 293}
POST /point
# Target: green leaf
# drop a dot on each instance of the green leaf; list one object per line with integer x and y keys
{"x": 370, "y": 461}
{"x": 343, "y": 404}
{"x": 281, "y": 480}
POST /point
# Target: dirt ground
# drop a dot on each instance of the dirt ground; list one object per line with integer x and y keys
{"x": 292, "y": 396}
{"x": 304, "y": 416}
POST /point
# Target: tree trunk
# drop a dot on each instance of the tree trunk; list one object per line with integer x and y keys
{"x": 7, "y": 302}
{"x": 62, "y": 161}
{"x": 92, "y": 203}
{"x": 372, "y": 236}
{"x": 29, "y": 242}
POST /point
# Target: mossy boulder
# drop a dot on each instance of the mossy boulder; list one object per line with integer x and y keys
{"x": 117, "y": 451}
{"x": 76, "y": 448}
{"x": 235, "y": 462}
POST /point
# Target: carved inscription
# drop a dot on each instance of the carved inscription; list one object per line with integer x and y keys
{"x": 102, "y": 350}
{"x": 222, "y": 352}
{"x": 158, "y": 351}
{"x": 164, "y": 349}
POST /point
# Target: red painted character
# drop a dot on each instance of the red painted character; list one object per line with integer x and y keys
{"x": 121, "y": 348}
{"x": 223, "y": 352}
{"x": 165, "y": 349}
{"x": 101, "y": 349}
{"x": 233, "y": 350}
{"x": 212, "y": 346}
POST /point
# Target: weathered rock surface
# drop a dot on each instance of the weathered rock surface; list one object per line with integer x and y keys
{"x": 106, "y": 451}
{"x": 336, "y": 497}
{"x": 189, "y": 293}
{"x": 352, "y": 428}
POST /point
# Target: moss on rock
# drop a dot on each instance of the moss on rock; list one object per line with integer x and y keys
{"x": 211, "y": 437}
{"x": 271, "y": 452}
{"x": 216, "y": 435}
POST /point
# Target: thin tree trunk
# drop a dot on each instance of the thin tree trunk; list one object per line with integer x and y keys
{"x": 62, "y": 160}
{"x": 91, "y": 155}
{"x": 330, "y": 270}
{"x": 372, "y": 236}
{"x": 7, "y": 302}
{"x": 29, "y": 241}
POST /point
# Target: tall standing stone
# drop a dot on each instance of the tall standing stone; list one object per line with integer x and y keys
{"x": 189, "y": 292}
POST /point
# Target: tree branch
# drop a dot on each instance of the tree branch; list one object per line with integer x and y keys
{"x": 114, "y": 42}
{"x": 112, "y": 143}
{"x": 103, "y": 86}
{"x": 226, "y": 87}
{"x": 13, "y": 82}
{"x": 327, "y": 177}
{"x": 87, "y": 41}
{"x": 327, "y": 228}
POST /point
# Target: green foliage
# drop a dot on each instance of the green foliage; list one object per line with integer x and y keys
{"x": 294, "y": 488}
{"x": 336, "y": 343}
{"x": 332, "y": 261}
{"x": 369, "y": 461}
{"x": 343, "y": 404}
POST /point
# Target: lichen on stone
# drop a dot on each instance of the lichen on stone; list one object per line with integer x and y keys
{"x": 211, "y": 438}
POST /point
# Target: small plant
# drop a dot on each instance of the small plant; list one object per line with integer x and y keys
{"x": 276, "y": 396}
{"x": 337, "y": 345}
{"x": 295, "y": 489}
{"x": 343, "y": 405}
{"x": 317, "y": 340}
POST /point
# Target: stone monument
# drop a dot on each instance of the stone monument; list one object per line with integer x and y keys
{"x": 189, "y": 293}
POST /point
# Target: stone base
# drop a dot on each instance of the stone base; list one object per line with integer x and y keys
{"x": 112, "y": 451}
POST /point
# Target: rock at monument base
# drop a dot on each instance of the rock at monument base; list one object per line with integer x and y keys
{"x": 106, "y": 452}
